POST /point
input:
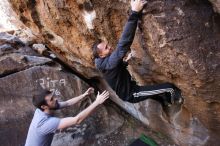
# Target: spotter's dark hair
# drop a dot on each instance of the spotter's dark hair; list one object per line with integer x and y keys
{"x": 39, "y": 99}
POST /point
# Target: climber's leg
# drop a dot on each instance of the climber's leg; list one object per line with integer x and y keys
{"x": 161, "y": 92}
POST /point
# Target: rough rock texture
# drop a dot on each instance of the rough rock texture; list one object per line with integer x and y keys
{"x": 7, "y": 17}
{"x": 216, "y": 5}
{"x": 24, "y": 73}
{"x": 177, "y": 41}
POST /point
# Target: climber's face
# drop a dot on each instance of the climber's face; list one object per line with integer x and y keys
{"x": 104, "y": 49}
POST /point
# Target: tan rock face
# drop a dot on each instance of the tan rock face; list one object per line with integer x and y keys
{"x": 176, "y": 42}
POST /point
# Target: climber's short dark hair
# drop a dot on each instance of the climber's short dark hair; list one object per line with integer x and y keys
{"x": 95, "y": 50}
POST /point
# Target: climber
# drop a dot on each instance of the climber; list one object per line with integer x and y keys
{"x": 44, "y": 124}
{"x": 110, "y": 63}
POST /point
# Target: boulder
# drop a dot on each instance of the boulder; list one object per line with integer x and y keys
{"x": 176, "y": 41}
{"x": 24, "y": 73}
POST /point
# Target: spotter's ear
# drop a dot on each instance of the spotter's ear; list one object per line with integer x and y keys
{"x": 44, "y": 107}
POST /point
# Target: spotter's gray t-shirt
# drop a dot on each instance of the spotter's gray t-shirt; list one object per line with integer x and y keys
{"x": 42, "y": 129}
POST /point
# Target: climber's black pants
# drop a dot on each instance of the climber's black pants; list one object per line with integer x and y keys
{"x": 157, "y": 92}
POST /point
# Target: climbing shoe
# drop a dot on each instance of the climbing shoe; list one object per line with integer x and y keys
{"x": 176, "y": 97}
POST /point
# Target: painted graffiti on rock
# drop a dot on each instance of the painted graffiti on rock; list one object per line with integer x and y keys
{"x": 52, "y": 85}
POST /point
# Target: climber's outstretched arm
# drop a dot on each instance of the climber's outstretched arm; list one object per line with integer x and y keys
{"x": 127, "y": 37}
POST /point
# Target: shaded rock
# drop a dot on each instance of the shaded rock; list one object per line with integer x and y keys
{"x": 10, "y": 39}
{"x": 23, "y": 76}
{"x": 15, "y": 56}
{"x": 177, "y": 42}
{"x": 17, "y": 62}
{"x": 6, "y": 48}
{"x": 8, "y": 65}
{"x": 9, "y": 43}
{"x": 17, "y": 111}
{"x": 17, "y": 91}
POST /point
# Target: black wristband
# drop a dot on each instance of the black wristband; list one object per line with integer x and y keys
{"x": 135, "y": 15}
